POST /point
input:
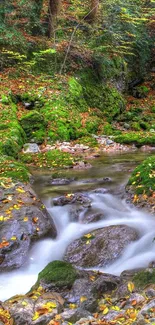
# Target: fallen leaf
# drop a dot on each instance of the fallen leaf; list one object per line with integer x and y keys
{"x": 134, "y": 302}
{"x": 24, "y": 303}
{"x": 13, "y": 238}
{"x": 35, "y": 219}
{"x": 72, "y": 306}
{"x": 25, "y": 219}
{"x": 83, "y": 298}
{"x": 131, "y": 286}
{"x": 20, "y": 190}
{"x": 105, "y": 311}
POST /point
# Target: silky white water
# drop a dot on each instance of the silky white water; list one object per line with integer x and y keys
{"x": 137, "y": 254}
{"x": 115, "y": 212}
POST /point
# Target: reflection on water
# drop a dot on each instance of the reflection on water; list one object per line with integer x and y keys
{"x": 115, "y": 212}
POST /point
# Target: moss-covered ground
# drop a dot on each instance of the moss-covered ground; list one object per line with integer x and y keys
{"x": 142, "y": 183}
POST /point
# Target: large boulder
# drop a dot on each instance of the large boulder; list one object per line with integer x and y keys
{"x": 79, "y": 287}
{"x": 37, "y": 308}
{"x": 100, "y": 247}
{"x": 23, "y": 219}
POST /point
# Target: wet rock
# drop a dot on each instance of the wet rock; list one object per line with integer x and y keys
{"x": 86, "y": 321}
{"x": 77, "y": 198}
{"x": 90, "y": 286}
{"x": 74, "y": 315}
{"x": 79, "y": 287}
{"x": 96, "y": 180}
{"x": 136, "y": 296}
{"x": 23, "y": 220}
{"x": 109, "y": 142}
{"x": 60, "y": 181}
{"x": 100, "y": 190}
{"x": 81, "y": 165}
{"x": 38, "y": 310}
{"x": 147, "y": 307}
{"x": 100, "y": 247}
{"x": 29, "y": 105}
{"x": 31, "y": 148}
{"x": 150, "y": 293}
{"x": 94, "y": 217}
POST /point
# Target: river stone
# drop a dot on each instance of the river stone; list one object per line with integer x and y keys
{"x": 60, "y": 181}
{"x": 31, "y": 148}
{"x": 23, "y": 219}
{"x": 100, "y": 247}
{"x": 77, "y": 198}
{"x": 75, "y": 314}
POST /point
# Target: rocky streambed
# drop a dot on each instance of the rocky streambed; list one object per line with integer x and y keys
{"x": 102, "y": 249}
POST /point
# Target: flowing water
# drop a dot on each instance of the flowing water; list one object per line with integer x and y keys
{"x": 115, "y": 212}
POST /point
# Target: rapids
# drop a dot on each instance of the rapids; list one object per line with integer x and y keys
{"x": 115, "y": 210}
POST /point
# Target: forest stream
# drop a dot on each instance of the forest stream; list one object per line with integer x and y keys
{"x": 109, "y": 173}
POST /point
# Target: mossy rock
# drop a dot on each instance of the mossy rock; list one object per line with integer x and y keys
{"x": 142, "y": 179}
{"x": 10, "y": 168}
{"x": 105, "y": 98}
{"x": 140, "y": 92}
{"x": 33, "y": 122}
{"x": 54, "y": 158}
{"x": 76, "y": 95}
{"x": 59, "y": 273}
{"x": 137, "y": 138}
{"x": 143, "y": 278}
{"x": 12, "y": 136}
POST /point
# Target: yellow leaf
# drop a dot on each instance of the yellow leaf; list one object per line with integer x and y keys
{"x": 87, "y": 242}
{"x": 88, "y": 236}
{"x": 131, "y": 286}
{"x": 13, "y": 238}
{"x": 51, "y": 304}
{"x": 35, "y": 316}
{"x": 1, "y": 218}
{"x": 69, "y": 195}
{"x": 72, "y": 306}
{"x": 20, "y": 190}
{"x": 83, "y": 298}
{"x": 25, "y": 219}
{"x": 115, "y": 308}
{"x": 24, "y": 303}
{"x": 105, "y": 311}
{"x": 92, "y": 278}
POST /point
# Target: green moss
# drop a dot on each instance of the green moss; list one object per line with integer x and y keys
{"x": 143, "y": 278}
{"x": 61, "y": 274}
{"x": 76, "y": 95}
{"x": 10, "y": 168}
{"x": 88, "y": 140}
{"x": 34, "y": 122}
{"x": 142, "y": 179}
{"x": 92, "y": 124}
{"x": 135, "y": 126}
{"x": 141, "y": 91}
{"x": 53, "y": 158}
{"x": 105, "y": 98}
{"x": 137, "y": 138}
{"x": 12, "y": 136}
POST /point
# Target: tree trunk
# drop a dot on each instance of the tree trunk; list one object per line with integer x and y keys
{"x": 93, "y": 11}
{"x": 2, "y": 11}
{"x": 53, "y": 11}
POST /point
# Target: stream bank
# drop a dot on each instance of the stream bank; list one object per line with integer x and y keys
{"x": 90, "y": 295}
